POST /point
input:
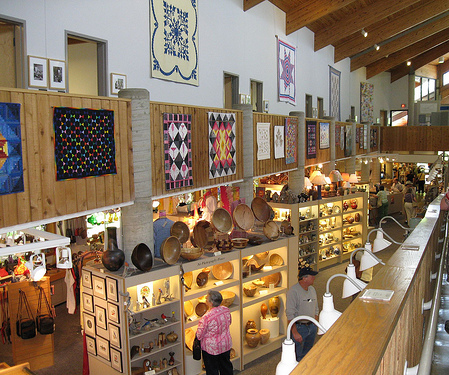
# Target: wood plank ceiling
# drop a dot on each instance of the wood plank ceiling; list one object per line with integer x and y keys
{"x": 414, "y": 31}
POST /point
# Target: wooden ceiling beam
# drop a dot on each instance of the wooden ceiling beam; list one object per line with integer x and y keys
{"x": 408, "y": 39}
{"x": 386, "y": 28}
{"x": 405, "y": 54}
{"x": 419, "y": 61}
{"x": 309, "y": 11}
{"x": 358, "y": 20}
{"x": 248, "y": 4}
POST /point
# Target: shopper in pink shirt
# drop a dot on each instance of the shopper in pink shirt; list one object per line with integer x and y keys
{"x": 213, "y": 332}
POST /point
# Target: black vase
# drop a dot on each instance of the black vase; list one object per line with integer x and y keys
{"x": 113, "y": 258}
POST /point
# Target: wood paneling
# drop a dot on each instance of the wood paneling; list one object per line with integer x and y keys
{"x": 271, "y": 165}
{"x": 200, "y": 146}
{"x": 414, "y": 138}
{"x": 44, "y": 197}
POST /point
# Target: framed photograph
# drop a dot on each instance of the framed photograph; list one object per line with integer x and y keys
{"x": 87, "y": 279}
{"x": 100, "y": 316}
{"x": 266, "y": 106}
{"x": 118, "y": 82}
{"x": 56, "y": 74}
{"x": 103, "y": 348}
{"x": 114, "y": 335}
{"x": 88, "y": 302}
{"x": 91, "y": 345}
{"x": 111, "y": 286}
{"x": 99, "y": 286}
{"x": 116, "y": 360}
{"x": 113, "y": 313}
{"x": 89, "y": 324}
{"x": 37, "y": 72}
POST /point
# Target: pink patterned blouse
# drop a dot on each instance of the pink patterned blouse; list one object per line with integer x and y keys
{"x": 213, "y": 331}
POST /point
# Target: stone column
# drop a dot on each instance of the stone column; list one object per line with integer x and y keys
{"x": 246, "y": 187}
{"x": 296, "y": 177}
{"x": 137, "y": 220}
{"x": 375, "y": 171}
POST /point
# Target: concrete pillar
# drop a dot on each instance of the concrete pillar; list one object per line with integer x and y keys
{"x": 296, "y": 177}
{"x": 137, "y": 220}
{"x": 365, "y": 172}
{"x": 375, "y": 171}
{"x": 246, "y": 187}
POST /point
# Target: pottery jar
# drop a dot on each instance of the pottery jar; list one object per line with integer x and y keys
{"x": 252, "y": 337}
{"x": 264, "y": 335}
{"x": 263, "y": 310}
{"x": 172, "y": 337}
{"x": 250, "y": 324}
{"x": 274, "y": 303}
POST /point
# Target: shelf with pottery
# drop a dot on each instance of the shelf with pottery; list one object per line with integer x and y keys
{"x": 155, "y": 351}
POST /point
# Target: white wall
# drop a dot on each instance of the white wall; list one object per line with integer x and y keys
{"x": 231, "y": 40}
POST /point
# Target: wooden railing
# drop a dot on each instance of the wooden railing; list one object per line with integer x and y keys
{"x": 379, "y": 337}
{"x": 414, "y": 138}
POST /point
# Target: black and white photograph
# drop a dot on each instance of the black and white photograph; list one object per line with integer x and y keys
{"x": 56, "y": 69}
{"x": 118, "y": 82}
{"x": 100, "y": 315}
{"x": 89, "y": 324}
{"x": 37, "y": 72}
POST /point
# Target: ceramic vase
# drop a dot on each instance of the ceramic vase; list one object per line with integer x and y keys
{"x": 264, "y": 336}
{"x": 113, "y": 258}
{"x": 252, "y": 337}
{"x": 172, "y": 337}
{"x": 263, "y": 310}
{"x": 250, "y": 324}
{"x": 273, "y": 304}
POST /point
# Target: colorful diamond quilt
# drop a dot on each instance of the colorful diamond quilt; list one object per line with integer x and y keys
{"x": 222, "y": 152}
{"x": 177, "y": 150}
{"x": 11, "y": 165}
{"x": 84, "y": 142}
{"x": 286, "y": 72}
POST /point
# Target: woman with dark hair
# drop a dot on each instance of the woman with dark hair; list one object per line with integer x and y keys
{"x": 409, "y": 199}
{"x": 213, "y": 332}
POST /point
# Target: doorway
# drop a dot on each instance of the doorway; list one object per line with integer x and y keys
{"x": 309, "y": 106}
{"x": 231, "y": 90}
{"x": 256, "y": 95}
{"x": 320, "y": 105}
{"x": 12, "y": 54}
{"x": 383, "y": 118}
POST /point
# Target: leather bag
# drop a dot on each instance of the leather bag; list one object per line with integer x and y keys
{"x": 25, "y": 326}
{"x": 45, "y": 322}
{"x": 197, "y": 349}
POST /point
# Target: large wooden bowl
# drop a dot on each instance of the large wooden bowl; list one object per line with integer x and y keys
{"x": 201, "y": 308}
{"x": 271, "y": 230}
{"x": 274, "y": 278}
{"x": 222, "y": 271}
{"x": 142, "y": 257}
{"x": 181, "y": 231}
{"x": 188, "y": 279}
{"x": 228, "y": 297}
{"x": 243, "y": 216}
{"x": 191, "y": 253}
{"x": 261, "y": 209}
{"x": 170, "y": 250}
{"x": 203, "y": 235}
{"x": 221, "y": 220}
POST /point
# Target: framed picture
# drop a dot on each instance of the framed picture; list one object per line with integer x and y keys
{"x": 116, "y": 360}
{"x": 89, "y": 324}
{"x": 88, "y": 302}
{"x": 99, "y": 286}
{"x": 56, "y": 74}
{"x": 100, "y": 315}
{"x": 113, "y": 313}
{"x": 87, "y": 279}
{"x": 91, "y": 345}
{"x": 37, "y": 72}
{"x": 111, "y": 286}
{"x": 103, "y": 348}
{"x": 114, "y": 335}
{"x": 118, "y": 82}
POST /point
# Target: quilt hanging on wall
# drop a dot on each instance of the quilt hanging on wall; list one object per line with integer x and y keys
{"x": 177, "y": 150}
{"x": 174, "y": 40}
{"x": 11, "y": 165}
{"x": 263, "y": 141}
{"x": 291, "y": 131}
{"x": 84, "y": 142}
{"x": 286, "y": 72}
{"x": 311, "y": 139}
{"x": 324, "y": 135}
{"x": 222, "y": 152}
{"x": 279, "y": 141}
{"x": 366, "y": 102}
{"x": 334, "y": 93}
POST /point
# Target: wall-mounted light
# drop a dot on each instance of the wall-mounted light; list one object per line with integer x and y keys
{"x": 376, "y": 47}
{"x": 364, "y": 33}
{"x": 37, "y": 267}
{"x": 441, "y": 60}
{"x": 409, "y": 63}
{"x": 63, "y": 257}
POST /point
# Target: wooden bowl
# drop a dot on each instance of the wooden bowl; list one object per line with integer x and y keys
{"x": 170, "y": 250}
{"x": 240, "y": 243}
{"x": 255, "y": 240}
{"x": 274, "y": 278}
{"x": 222, "y": 271}
{"x": 250, "y": 290}
{"x": 271, "y": 230}
{"x": 188, "y": 279}
{"x": 142, "y": 257}
{"x": 181, "y": 231}
{"x": 261, "y": 209}
{"x": 228, "y": 297}
{"x": 201, "y": 309}
{"x": 202, "y": 279}
{"x": 203, "y": 235}
{"x": 191, "y": 253}
{"x": 221, "y": 220}
{"x": 276, "y": 260}
{"x": 243, "y": 216}
{"x": 262, "y": 258}
{"x": 189, "y": 337}
{"x": 188, "y": 308}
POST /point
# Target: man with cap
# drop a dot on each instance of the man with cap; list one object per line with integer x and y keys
{"x": 302, "y": 300}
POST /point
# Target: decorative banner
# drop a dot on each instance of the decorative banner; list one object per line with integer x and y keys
{"x": 337, "y": 136}
{"x": 324, "y": 135}
{"x": 373, "y": 141}
{"x": 286, "y": 72}
{"x": 84, "y": 142}
{"x": 279, "y": 142}
{"x": 222, "y": 154}
{"x": 366, "y": 102}
{"x": 11, "y": 165}
{"x": 177, "y": 150}
{"x": 348, "y": 140}
{"x": 334, "y": 93}
{"x": 291, "y": 131}
{"x": 311, "y": 139}
{"x": 174, "y": 44}
{"x": 263, "y": 141}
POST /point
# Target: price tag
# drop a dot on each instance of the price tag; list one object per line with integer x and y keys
{"x": 263, "y": 292}
{"x": 217, "y": 283}
{"x": 151, "y": 372}
{"x": 217, "y": 253}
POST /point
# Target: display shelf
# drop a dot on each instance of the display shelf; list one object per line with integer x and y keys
{"x": 248, "y": 301}
{"x": 194, "y": 322}
{"x": 351, "y": 225}
{"x": 352, "y": 238}
{"x": 308, "y": 243}
{"x": 258, "y": 275}
{"x": 250, "y": 354}
{"x": 152, "y": 330}
{"x": 197, "y": 292}
{"x": 330, "y": 230}
{"x": 155, "y": 351}
{"x": 151, "y": 308}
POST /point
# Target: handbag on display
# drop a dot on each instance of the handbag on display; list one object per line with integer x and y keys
{"x": 45, "y": 322}
{"x": 25, "y": 327}
{"x": 197, "y": 349}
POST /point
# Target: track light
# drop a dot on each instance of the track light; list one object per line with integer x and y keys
{"x": 376, "y": 47}
{"x": 409, "y": 63}
{"x": 364, "y": 33}
{"x": 441, "y": 60}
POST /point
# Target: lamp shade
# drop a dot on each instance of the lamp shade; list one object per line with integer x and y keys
{"x": 328, "y": 180}
{"x": 380, "y": 242}
{"x": 335, "y": 176}
{"x": 307, "y": 183}
{"x": 353, "y": 178}
{"x": 367, "y": 261}
{"x": 288, "y": 358}
{"x": 345, "y": 176}
{"x": 349, "y": 288}
{"x": 313, "y": 174}
{"x": 318, "y": 179}
{"x": 328, "y": 315}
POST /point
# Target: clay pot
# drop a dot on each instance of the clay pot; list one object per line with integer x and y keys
{"x": 263, "y": 310}
{"x": 172, "y": 337}
{"x": 250, "y": 290}
{"x": 252, "y": 337}
{"x": 353, "y": 204}
{"x": 250, "y": 324}
{"x": 113, "y": 258}
{"x": 357, "y": 217}
{"x": 274, "y": 303}
{"x": 264, "y": 335}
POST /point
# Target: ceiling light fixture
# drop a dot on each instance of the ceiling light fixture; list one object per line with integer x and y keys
{"x": 376, "y": 47}
{"x": 441, "y": 60}
{"x": 364, "y": 33}
{"x": 409, "y": 63}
